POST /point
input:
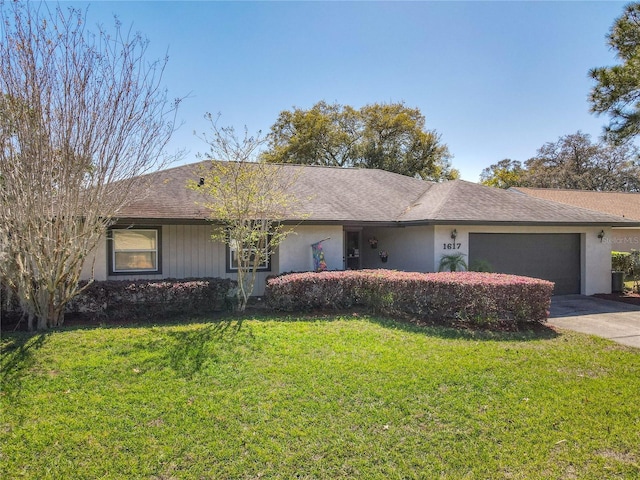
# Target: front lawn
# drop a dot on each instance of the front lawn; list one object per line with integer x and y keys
{"x": 335, "y": 397}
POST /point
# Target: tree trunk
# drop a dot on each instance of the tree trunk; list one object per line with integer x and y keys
{"x": 56, "y": 315}
{"x": 51, "y": 313}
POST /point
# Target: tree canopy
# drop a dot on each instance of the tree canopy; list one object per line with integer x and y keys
{"x": 617, "y": 91}
{"x": 504, "y": 174}
{"x": 572, "y": 162}
{"x": 81, "y": 117}
{"x": 390, "y": 137}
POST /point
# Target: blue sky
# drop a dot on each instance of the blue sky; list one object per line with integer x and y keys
{"x": 495, "y": 79}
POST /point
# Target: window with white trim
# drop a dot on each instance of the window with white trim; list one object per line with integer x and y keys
{"x": 135, "y": 250}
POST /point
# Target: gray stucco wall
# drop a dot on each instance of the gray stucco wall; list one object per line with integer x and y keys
{"x": 409, "y": 248}
{"x": 295, "y": 254}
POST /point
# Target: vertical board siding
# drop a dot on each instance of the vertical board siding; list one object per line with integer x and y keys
{"x": 221, "y": 263}
{"x": 196, "y": 249}
{"x": 197, "y": 255}
{"x": 170, "y": 260}
{"x": 180, "y": 257}
{"x": 187, "y": 252}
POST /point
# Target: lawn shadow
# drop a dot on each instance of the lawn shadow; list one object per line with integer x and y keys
{"x": 462, "y": 331}
{"x": 187, "y": 351}
{"x": 183, "y": 350}
{"x": 441, "y": 329}
{"x": 17, "y": 355}
{"x": 87, "y": 322}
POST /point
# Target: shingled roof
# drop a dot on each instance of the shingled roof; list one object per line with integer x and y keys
{"x": 624, "y": 204}
{"x": 354, "y": 195}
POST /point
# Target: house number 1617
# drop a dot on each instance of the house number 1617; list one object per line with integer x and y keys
{"x": 451, "y": 246}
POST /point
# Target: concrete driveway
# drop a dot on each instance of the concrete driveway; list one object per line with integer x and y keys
{"x": 616, "y": 321}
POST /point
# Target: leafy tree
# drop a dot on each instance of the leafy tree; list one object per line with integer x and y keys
{"x": 572, "y": 162}
{"x": 568, "y": 163}
{"x": 504, "y": 174}
{"x": 391, "y": 137}
{"x": 394, "y": 138}
{"x": 617, "y": 91}
{"x": 323, "y": 135}
{"x": 81, "y": 117}
{"x": 248, "y": 201}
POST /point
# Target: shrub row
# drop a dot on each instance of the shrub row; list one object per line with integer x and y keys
{"x": 621, "y": 262}
{"x": 469, "y": 296}
{"x": 125, "y": 299}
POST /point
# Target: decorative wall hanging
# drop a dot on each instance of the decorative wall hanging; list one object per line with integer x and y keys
{"x": 319, "y": 263}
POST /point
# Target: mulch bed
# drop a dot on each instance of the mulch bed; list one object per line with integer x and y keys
{"x": 626, "y": 297}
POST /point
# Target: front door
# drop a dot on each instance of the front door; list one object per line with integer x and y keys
{"x": 352, "y": 250}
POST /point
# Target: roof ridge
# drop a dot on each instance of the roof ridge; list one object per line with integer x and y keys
{"x": 430, "y": 187}
{"x": 359, "y": 195}
{"x": 445, "y": 197}
{"x": 286, "y": 164}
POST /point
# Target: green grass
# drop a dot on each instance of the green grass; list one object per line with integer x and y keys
{"x": 322, "y": 398}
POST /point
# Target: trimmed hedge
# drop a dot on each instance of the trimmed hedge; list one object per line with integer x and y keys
{"x": 126, "y": 299}
{"x": 474, "y": 297}
{"x": 122, "y": 299}
{"x": 622, "y": 262}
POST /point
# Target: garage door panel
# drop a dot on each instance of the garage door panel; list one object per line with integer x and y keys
{"x": 554, "y": 257}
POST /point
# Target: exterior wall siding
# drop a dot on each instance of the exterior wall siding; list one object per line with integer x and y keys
{"x": 188, "y": 251}
{"x": 409, "y": 248}
{"x": 96, "y": 265}
{"x": 295, "y": 254}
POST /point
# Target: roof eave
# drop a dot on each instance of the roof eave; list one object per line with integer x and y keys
{"x": 385, "y": 223}
{"x": 538, "y": 223}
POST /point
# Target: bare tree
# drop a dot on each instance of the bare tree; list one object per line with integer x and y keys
{"x": 82, "y": 116}
{"x": 248, "y": 200}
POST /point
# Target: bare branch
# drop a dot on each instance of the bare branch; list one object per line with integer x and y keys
{"x": 82, "y": 116}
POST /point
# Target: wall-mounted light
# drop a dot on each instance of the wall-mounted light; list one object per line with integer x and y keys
{"x": 601, "y": 235}
{"x": 454, "y": 234}
{"x": 201, "y": 182}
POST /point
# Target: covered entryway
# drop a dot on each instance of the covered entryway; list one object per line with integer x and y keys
{"x": 550, "y": 256}
{"x": 352, "y": 249}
